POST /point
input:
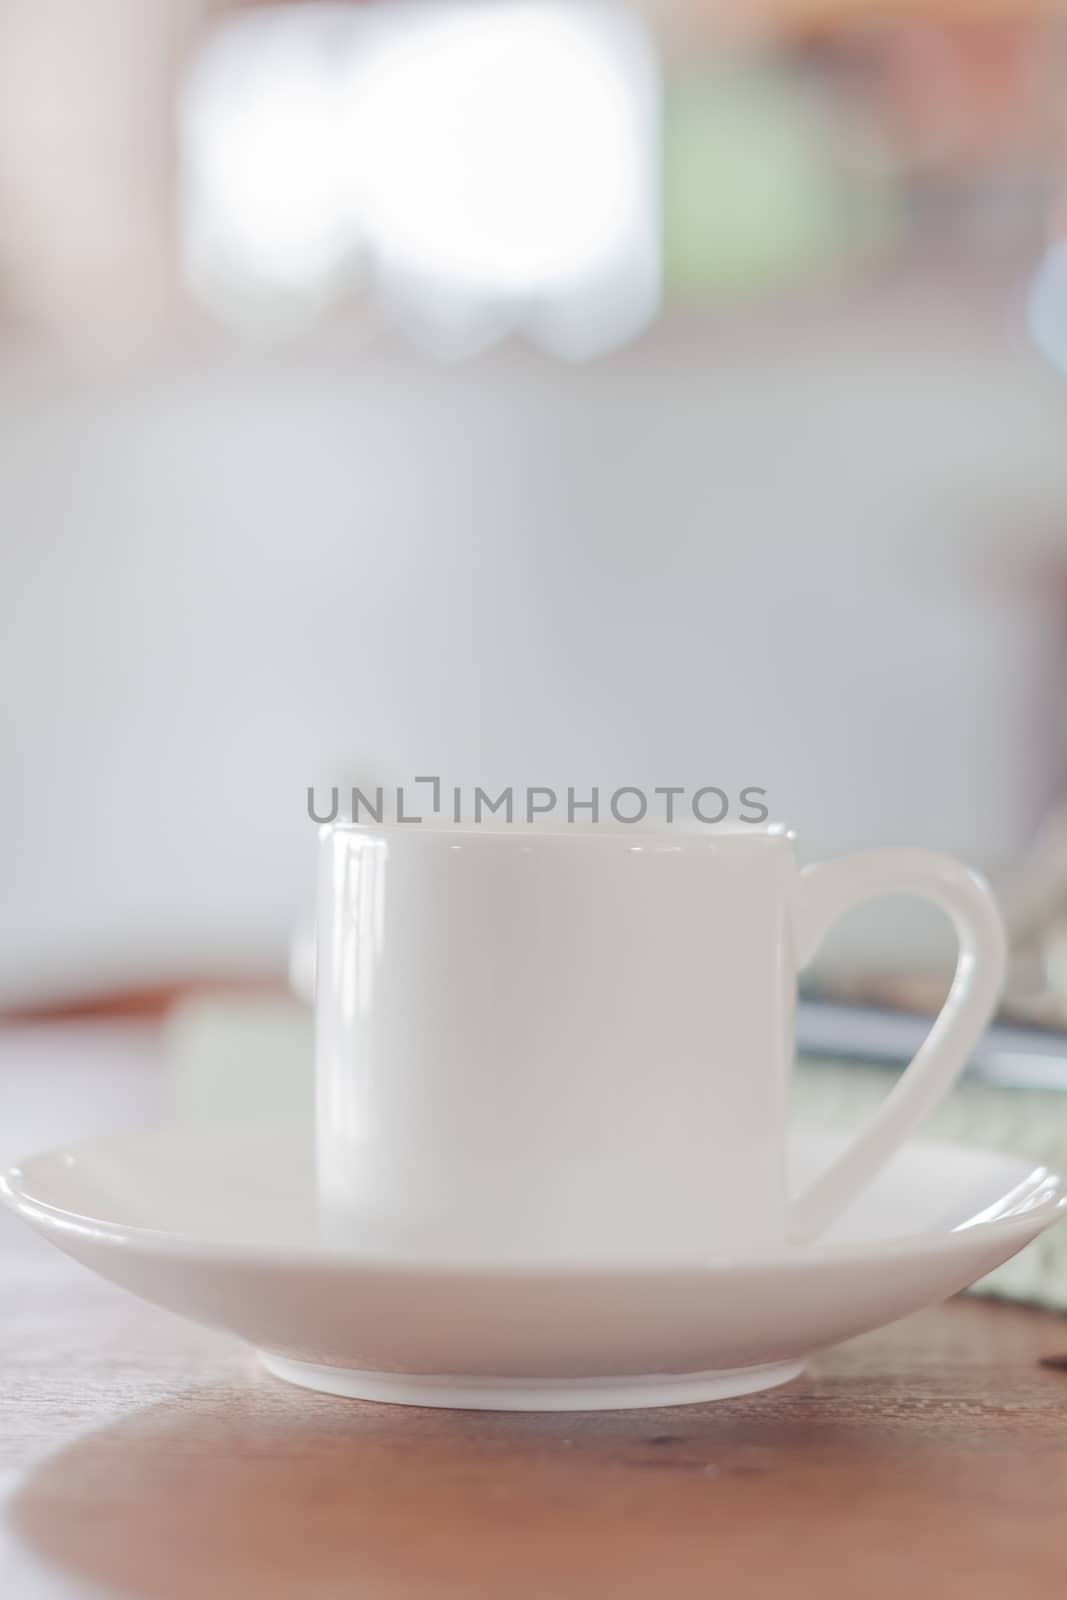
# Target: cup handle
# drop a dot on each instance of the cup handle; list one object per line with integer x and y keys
{"x": 829, "y": 889}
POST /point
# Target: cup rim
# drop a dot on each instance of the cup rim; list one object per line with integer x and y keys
{"x": 634, "y": 835}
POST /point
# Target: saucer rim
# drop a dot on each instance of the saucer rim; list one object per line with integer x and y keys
{"x": 1042, "y": 1201}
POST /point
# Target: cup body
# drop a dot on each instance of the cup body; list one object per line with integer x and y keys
{"x": 570, "y": 1045}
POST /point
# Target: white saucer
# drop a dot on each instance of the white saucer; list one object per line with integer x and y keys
{"x": 219, "y": 1225}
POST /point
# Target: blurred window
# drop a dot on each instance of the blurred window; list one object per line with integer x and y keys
{"x": 467, "y": 170}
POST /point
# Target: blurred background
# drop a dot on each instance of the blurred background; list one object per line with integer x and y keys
{"x": 521, "y": 392}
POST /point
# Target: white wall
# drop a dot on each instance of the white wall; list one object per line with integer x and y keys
{"x": 798, "y": 554}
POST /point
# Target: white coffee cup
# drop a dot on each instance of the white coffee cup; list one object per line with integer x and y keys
{"x": 577, "y": 1045}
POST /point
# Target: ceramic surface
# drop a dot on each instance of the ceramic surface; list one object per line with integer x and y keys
{"x": 523, "y": 1033}
{"x": 219, "y": 1226}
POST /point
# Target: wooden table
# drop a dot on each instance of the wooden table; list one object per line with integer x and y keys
{"x": 141, "y": 1456}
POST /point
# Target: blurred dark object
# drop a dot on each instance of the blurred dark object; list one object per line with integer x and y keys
{"x": 868, "y": 1035}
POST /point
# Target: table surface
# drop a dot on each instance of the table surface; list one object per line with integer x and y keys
{"x": 142, "y": 1456}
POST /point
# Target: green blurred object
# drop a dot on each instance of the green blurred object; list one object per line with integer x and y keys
{"x": 767, "y": 181}
{"x": 232, "y": 1060}
{"x": 835, "y": 1096}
